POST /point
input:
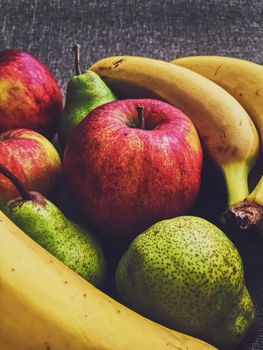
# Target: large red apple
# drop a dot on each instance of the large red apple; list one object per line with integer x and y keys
{"x": 126, "y": 172}
{"x": 29, "y": 94}
{"x": 32, "y": 159}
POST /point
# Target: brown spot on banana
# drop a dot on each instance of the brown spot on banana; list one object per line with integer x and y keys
{"x": 216, "y": 71}
{"x": 116, "y": 64}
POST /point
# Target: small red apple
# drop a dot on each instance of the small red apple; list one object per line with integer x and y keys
{"x": 128, "y": 167}
{"x": 32, "y": 159}
{"x": 29, "y": 94}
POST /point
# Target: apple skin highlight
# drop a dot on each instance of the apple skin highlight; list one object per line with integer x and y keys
{"x": 124, "y": 178}
{"x": 29, "y": 94}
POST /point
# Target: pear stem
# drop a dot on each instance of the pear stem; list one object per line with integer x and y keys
{"x": 141, "y": 117}
{"x": 76, "y": 49}
{"x": 18, "y": 184}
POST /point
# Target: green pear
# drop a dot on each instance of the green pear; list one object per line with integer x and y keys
{"x": 46, "y": 224}
{"x": 186, "y": 274}
{"x": 84, "y": 93}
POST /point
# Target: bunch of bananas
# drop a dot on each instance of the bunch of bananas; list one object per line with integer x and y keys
{"x": 224, "y": 98}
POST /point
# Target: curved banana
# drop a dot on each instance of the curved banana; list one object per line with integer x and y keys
{"x": 45, "y": 305}
{"x": 241, "y": 78}
{"x": 226, "y": 130}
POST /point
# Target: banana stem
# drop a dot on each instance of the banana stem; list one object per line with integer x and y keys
{"x": 236, "y": 178}
{"x": 244, "y": 215}
{"x": 76, "y": 49}
{"x": 248, "y": 213}
{"x": 17, "y": 183}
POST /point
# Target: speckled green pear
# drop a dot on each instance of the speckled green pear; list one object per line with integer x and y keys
{"x": 186, "y": 274}
{"x": 47, "y": 225}
{"x": 84, "y": 93}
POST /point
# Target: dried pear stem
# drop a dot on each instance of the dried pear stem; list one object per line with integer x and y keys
{"x": 76, "y": 49}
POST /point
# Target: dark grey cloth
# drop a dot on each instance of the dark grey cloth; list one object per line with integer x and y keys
{"x": 159, "y": 29}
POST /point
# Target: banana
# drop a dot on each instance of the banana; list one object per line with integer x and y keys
{"x": 45, "y": 305}
{"x": 241, "y": 78}
{"x": 225, "y": 128}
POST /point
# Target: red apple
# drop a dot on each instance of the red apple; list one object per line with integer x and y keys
{"x": 124, "y": 175}
{"x": 29, "y": 94}
{"x": 32, "y": 159}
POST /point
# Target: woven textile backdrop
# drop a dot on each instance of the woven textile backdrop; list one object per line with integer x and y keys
{"x": 158, "y": 29}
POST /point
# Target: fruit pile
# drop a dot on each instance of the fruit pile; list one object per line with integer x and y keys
{"x": 100, "y": 192}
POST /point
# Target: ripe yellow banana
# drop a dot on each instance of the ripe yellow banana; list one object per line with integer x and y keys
{"x": 241, "y": 78}
{"x": 45, "y": 305}
{"x": 244, "y": 81}
{"x": 226, "y": 130}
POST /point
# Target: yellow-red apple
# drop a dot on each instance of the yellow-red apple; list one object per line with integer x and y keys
{"x": 32, "y": 158}
{"x": 29, "y": 94}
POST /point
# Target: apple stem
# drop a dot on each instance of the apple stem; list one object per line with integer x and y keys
{"x": 18, "y": 184}
{"x": 76, "y": 49}
{"x": 141, "y": 117}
